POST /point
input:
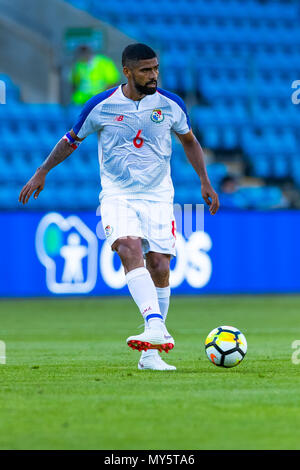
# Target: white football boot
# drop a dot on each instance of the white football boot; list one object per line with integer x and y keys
{"x": 153, "y": 362}
{"x": 152, "y": 338}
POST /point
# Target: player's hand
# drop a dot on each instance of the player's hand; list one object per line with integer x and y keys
{"x": 36, "y": 183}
{"x": 210, "y": 197}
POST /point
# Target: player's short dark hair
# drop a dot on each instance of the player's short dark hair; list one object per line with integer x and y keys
{"x": 135, "y": 52}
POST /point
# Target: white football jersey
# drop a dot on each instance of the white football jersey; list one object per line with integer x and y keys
{"x": 134, "y": 141}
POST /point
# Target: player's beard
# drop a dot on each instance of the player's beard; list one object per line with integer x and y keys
{"x": 145, "y": 89}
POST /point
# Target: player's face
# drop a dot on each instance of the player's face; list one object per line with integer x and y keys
{"x": 144, "y": 76}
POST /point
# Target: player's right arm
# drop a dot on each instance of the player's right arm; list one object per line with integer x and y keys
{"x": 89, "y": 121}
{"x": 64, "y": 147}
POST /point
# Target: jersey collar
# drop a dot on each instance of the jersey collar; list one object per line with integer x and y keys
{"x": 141, "y": 101}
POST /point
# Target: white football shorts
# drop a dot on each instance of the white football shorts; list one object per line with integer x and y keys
{"x": 152, "y": 221}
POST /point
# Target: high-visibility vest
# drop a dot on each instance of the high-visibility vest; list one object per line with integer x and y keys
{"x": 93, "y": 77}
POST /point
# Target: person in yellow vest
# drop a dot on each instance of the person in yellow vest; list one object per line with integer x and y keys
{"x": 91, "y": 74}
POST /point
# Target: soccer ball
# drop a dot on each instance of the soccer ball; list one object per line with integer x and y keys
{"x": 225, "y": 346}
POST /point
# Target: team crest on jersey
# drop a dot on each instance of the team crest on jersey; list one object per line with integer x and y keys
{"x": 108, "y": 230}
{"x": 157, "y": 115}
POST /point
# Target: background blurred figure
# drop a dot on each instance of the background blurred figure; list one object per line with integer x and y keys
{"x": 237, "y": 194}
{"x": 229, "y": 184}
{"x": 91, "y": 74}
{"x": 229, "y": 193}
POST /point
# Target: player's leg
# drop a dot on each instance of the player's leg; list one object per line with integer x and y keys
{"x": 123, "y": 232}
{"x": 158, "y": 264}
{"x": 158, "y": 226}
{"x": 143, "y": 292}
{"x": 130, "y": 252}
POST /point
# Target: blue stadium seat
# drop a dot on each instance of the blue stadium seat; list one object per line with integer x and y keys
{"x": 229, "y": 137}
{"x": 211, "y": 136}
{"x": 233, "y": 201}
{"x": 261, "y": 165}
{"x": 265, "y": 197}
{"x": 295, "y": 167}
{"x": 241, "y": 56}
{"x": 216, "y": 172}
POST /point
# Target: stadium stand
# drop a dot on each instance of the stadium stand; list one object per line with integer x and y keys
{"x": 233, "y": 63}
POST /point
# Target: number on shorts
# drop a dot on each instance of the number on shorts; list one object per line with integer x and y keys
{"x": 173, "y": 229}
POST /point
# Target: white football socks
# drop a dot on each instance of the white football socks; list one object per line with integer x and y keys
{"x": 143, "y": 292}
{"x": 163, "y": 294}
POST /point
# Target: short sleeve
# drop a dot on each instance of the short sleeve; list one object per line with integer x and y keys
{"x": 89, "y": 120}
{"x": 181, "y": 123}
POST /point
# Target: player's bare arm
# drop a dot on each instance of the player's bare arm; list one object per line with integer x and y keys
{"x": 60, "y": 152}
{"x": 195, "y": 155}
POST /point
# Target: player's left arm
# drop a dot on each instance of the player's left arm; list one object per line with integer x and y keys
{"x": 195, "y": 156}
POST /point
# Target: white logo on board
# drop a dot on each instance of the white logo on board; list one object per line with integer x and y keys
{"x": 68, "y": 250}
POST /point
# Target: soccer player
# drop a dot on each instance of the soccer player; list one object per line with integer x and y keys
{"x": 134, "y": 122}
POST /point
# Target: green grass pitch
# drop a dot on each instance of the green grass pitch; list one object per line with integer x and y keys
{"x": 71, "y": 382}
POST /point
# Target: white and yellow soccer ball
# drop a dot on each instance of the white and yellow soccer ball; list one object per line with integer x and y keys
{"x": 225, "y": 346}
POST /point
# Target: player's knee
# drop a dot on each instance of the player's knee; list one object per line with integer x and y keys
{"x": 159, "y": 265}
{"x": 128, "y": 248}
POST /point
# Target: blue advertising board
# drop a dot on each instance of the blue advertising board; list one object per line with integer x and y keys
{"x": 59, "y": 254}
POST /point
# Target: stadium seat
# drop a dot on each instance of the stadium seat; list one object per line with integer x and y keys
{"x": 235, "y": 59}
